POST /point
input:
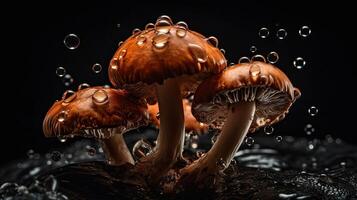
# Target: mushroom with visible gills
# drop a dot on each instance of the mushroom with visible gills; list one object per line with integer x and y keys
{"x": 244, "y": 97}
{"x": 164, "y": 63}
{"x": 98, "y": 112}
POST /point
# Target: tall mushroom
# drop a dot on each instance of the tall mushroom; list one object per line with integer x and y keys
{"x": 191, "y": 124}
{"x": 98, "y": 112}
{"x": 165, "y": 62}
{"x": 243, "y": 97}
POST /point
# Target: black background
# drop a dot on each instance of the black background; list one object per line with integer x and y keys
{"x": 35, "y": 48}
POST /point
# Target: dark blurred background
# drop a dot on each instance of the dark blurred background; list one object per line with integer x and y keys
{"x": 35, "y": 46}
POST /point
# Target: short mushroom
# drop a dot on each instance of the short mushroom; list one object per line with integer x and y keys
{"x": 165, "y": 62}
{"x": 98, "y": 112}
{"x": 191, "y": 124}
{"x": 243, "y": 97}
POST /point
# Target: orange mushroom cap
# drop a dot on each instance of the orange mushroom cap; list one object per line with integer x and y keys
{"x": 263, "y": 83}
{"x": 95, "y": 112}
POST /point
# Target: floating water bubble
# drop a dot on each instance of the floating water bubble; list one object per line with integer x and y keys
{"x": 258, "y": 57}
{"x": 279, "y": 138}
{"x": 263, "y": 32}
{"x": 310, "y": 146}
{"x": 135, "y": 31}
{"x": 244, "y": 59}
{"x": 309, "y": 129}
{"x": 343, "y": 164}
{"x": 141, "y": 148}
{"x": 118, "y": 25}
{"x": 160, "y": 40}
{"x": 305, "y": 31}
{"x": 56, "y": 156}
{"x": 249, "y": 141}
{"x": 313, "y": 111}
{"x": 71, "y": 41}
{"x": 194, "y": 145}
{"x": 299, "y": 63}
{"x": 253, "y": 49}
{"x": 83, "y": 86}
{"x": 91, "y": 151}
{"x": 268, "y": 130}
{"x": 30, "y": 153}
{"x": 100, "y": 97}
{"x": 97, "y": 68}
{"x": 198, "y": 52}
{"x": 62, "y": 139}
{"x": 281, "y": 34}
{"x": 67, "y": 80}
{"x": 60, "y": 71}
{"x": 273, "y": 57}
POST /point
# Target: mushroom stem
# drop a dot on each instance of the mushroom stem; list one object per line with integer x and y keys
{"x": 236, "y": 127}
{"x": 172, "y": 124}
{"x": 116, "y": 151}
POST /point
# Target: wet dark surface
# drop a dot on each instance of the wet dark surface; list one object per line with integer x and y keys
{"x": 268, "y": 169}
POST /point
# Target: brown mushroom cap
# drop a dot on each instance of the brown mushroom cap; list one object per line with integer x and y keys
{"x": 191, "y": 124}
{"x": 95, "y": 112}
{"x": 263, "y": 83}
{"x": 156, "y": 54}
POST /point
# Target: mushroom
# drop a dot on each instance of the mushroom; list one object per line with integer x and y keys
{"x": 98, "y": 112}
{"x": 191, "y": 124}
{"x": 243, "y": 97}
{"x": 163, "y": 63}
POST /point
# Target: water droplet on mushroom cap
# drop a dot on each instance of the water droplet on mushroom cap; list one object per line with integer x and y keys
{"x": 165, "y": 18}
{"x": 141, "y": 40}
{"x": 213, "y": 41}
{"x": 182, "y": 24}
{"x": 160, "y": 40}
{"x": 122, "y": 54}
{"x": 83, "y": 86}
{"x": 254, "y": 71}
{"x": 244, "y": 59}
{"x": 136, "y": 31}
{"x": 149, "y": 26}
{"x": 68, "y": 96}
{"x": 162, "y": 26}
{"x": 258, "y": 57}
{"x": 100, "y": 96}
{"x": 181, "y": 31}
{"x": 62, "y": 116}
{"x": 198, "y": 52}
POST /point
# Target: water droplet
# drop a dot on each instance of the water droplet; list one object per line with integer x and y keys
{"x": 166, "y": 18}
{"x": 223, "y": 51}
{"x": 71, "y": 41}
{"x": 68, "y": 96}
{"x": 305, "y": 31}
{"x": 182, "y": 24}
{"x": 343, "y": 164}
{"x": 62, "y": 139}
{"x": 67, "y": 80}
{"x": 135, "y": 31}
{"x": 97, "y": 68}
{"x": 181, "y": 31}
{"x": 141, "y": 40}
{"x": 122, "y": 54}
{"x": 160, "y": 40}
{"x": 310, "y": 146}
{"x": 91, "y": 151}
{"x": 83, "y": 86}
{"x": 56, "y": 156}
{"x": 254, "y": 71}
{"x": 214, "y": 138}
{"x": 279, "y": 138}
{"x": 244, "y": 59}
{"x": 253, "y": 49}
{"x": 100, "y": 97}
{"x": 162, "y": 26}
{"x": 120, "y": 43}
{"x": 60, "y": 71}
{"x": 141, "y": 148}
{"x": 263, "y": 32}
{"x": 273, "y": 57}
{"x": 281, "y": 34}
{"x": 313, "y": 111}
{"x": 198, "y": 53}
{"x": 221, "y": 164}
{"x": 231, "y": 64}
{"x": 299, "y": 63}
{"x": 194, "y": 145}
{"x": 258, "y": 57}
{"x": 249, "y": 141}
{"x": 199, "y": 154}
{"x": 213, "y": 41}
{"x": 62, "y": 116}
{"x": 149, "y": 26}
{"x": 30, "y": 153}
{"x": 268, "y": 130}
{"x": 158, "y": 116}
{"x": 309, "y": 129}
